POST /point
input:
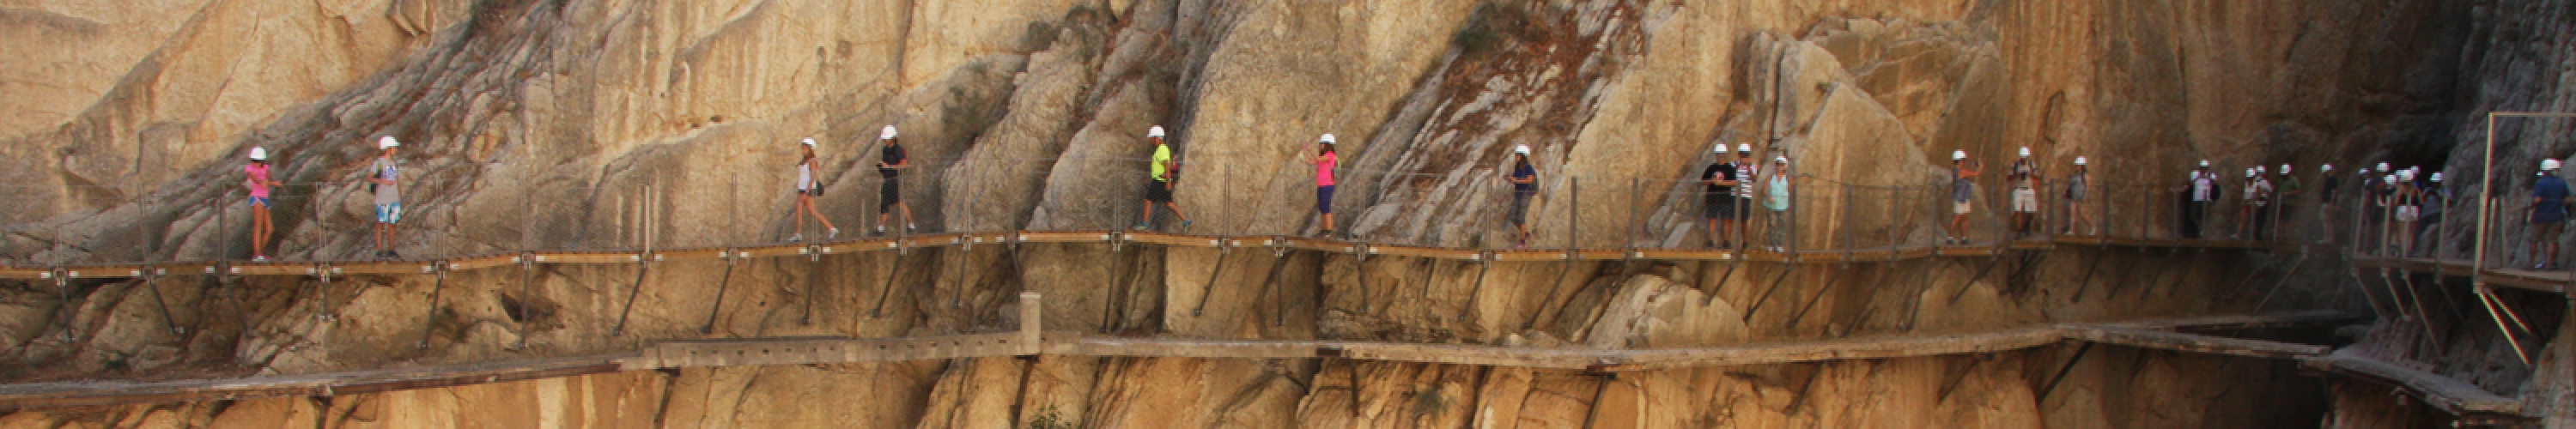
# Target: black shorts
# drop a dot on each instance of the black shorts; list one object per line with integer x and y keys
{"x": 1158, "y": 191}
{"x": 889, "y": 194}
{"x": 1717, "y": 206}
{"x": 818, "y": 190}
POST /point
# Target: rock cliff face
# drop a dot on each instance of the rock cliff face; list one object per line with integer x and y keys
{"x": 612, "y": 124}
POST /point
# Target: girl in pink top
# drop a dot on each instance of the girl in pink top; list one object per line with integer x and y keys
{"x": 259, "y": 183}
{"x": 1324, "y": 161}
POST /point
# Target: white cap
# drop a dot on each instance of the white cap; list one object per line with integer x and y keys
{"x": 1155, "y": 132}
{"x": 809, "y": 142}
{"x": 1780, "y": 159}
{"x": 2549, "y": 164}
{"x": 2437, "y": 176}
{"x": 2025, "y": 152}
{"x": 1720, "y": 149}
{"x": 1328, "y": 138}
{"x": 1521, "y": 149}
{"x": 2383, "y": 166}
{"x": 2079, "y": 160}
{"x": 2204, "y": 163}
{"x": 386, "y": 142}
{"x": 888, "y": 134}
{"x": 2285, "y": 169}
{"x": 1958, "y": 155}
{"x": 2329, "y": 168}
{"x": 258, "y": 154}
{"x": 1744, "y": 147}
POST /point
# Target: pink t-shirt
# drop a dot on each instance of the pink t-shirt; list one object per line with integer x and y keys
{"x": 1324, "y": 169}
{"x": 258, "y": 180}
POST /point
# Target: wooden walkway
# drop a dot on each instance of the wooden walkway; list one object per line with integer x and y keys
{"x": 1119, "y": 238}
{"x": 2168, "y": 334}
{"x": 2458, "y": 397}
{"x": 2544, "y": 281}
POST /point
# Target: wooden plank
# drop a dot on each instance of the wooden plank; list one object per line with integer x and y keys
{"x": 382, "y": 268}
{"x": 26, "y": 273}
{"x": 1529, "y": 255}
{"x": 102, "y": 271}
{"x": 1171, "y": 239}
{"x": 1066, "y": 236}
{"x": 2449, "y": 394}
{"x": 483, "y": 261}
{"x": 111, "y": 392}
{"x": 1968, "y": 251}
{"x": 2196, "y": 343}
{"x": 184, "y": 268}
{"x": 1321, "y": 245}
{"x": 691, "y": 253}
{"x": 1601, "y": 254}
{"x": 274, "y": 269}
{"x": 1875, "y": 347}
{"x": 770, "y": 251}
{"x": 2544, "y": 281}
{"x": 588, "y": 257}
{"x": 1424, "y": 252}
{"x": 2033, "y": 245}
{"x": 1686, "y": 254}
{"x": 2205, "y": 323}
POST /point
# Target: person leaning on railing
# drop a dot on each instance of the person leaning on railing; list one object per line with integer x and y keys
{"x": 2079, "y": 188}
{"x": 1776, "y": 200}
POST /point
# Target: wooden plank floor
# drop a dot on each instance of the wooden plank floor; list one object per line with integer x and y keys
{"x": 2450, "y": 394}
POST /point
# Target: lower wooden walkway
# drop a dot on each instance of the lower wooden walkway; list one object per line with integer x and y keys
{"x": 2545, "y": 281}
{"x": 2458, "y": 397}
{"x": 1115, "y": 238}
{"x": 2169, "y": 334}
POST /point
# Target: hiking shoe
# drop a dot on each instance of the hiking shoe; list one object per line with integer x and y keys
{"x": 1185, "y": 227}
{"x": 1140, "y": 226}
{"x": 389, "y": 254}
{"x": 1325, "y": 234}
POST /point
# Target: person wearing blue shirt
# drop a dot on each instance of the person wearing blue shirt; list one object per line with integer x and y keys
{"x": 2548, "y": 214}
{"x": 1524, "y": 179}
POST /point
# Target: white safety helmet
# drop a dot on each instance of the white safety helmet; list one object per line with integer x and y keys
{"x": 1958, "y": 155}
{"x": 2204, "y": 163}
{"x": 2383, "y": 166}
{"x": 809, "y": 142}
{"x": 887, "y": 134}
{"x": 1721, "y": 149}
{"x": 2549, "y": 164}
{"x": 2025, "y": 152}
{"x": 1523, "y": 150}
{"x": 2388, "y": 179}
{"x": 1155, "y": 132}
{"x": 2328, "y": 168}
{"x": 2285, "y": 169}
{"x": 1327, "y": 139}
{"x": 1743, "y": 148}
{"x": 2406, "y": 175}
{"x": 2259, "y": 169}
{"x": 2249, "y": 173}
{"x": 387, "y": 142}
{"x": 2079, "y": 160}
{"x": 1784, "y": 159}
{"x": 258, "y": 154}
{"x": 2437, "y": 176}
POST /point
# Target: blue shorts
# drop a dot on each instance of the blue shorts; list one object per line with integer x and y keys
{"x": 259, "y": 201}
{"x": 389, "y": 213}
{"x": 1324, "y": 199}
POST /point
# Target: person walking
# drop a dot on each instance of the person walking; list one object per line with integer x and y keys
{"x": 2436, "y": 200}
{"x": 2327, "y": 187}
{"x": 2199, "y": 192}
{"x": 1324, "y": 161}
{"x": 1524, "y": 180}
{"x": 806, "y": 190}
{"x": 1776, "y": 188}
{"x": 259, "y": 182}
{"x": 1159, "y": 190}
{"x": 2409, "y": 199}
{"x": 1717, "y": 198}
{"x": 2284, "y": 191}
{"x": 2548, "y": 214}
{"x": 2378, "y": 186}
{"x": 385, "y": 179}
{"x": 891, "y": 161}
{"x": 1963, "y": 176}
{"x": 2024, "y": 176}
{"x": 2079, "y": 188}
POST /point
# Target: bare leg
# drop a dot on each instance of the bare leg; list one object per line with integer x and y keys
{"x": 906, "y": 208}
{"x": 1328, "y": 221}
{"x": 1148, "y": 216}
{"x": 1176, "y": 211}
{"x": 259, "y": 230}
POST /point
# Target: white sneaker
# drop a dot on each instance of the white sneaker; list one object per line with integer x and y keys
{"x": 836, "y": 233}
{"x": 796, "y": 238}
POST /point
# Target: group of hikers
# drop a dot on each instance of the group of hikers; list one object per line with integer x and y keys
{"x": 1733, "y": 187}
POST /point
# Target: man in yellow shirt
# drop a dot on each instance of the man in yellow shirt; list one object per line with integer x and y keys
{"x": 1159, "y": 190}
